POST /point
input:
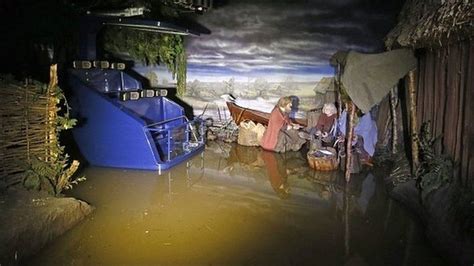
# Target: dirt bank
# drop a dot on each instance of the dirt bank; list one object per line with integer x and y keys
{"x": 448, "y": 216}
{"x": 30, "y": 219}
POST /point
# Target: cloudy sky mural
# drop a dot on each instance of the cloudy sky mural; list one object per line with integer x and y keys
{"x": 280, "y": 39}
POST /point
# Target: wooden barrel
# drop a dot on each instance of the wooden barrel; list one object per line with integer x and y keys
{"x": 323, "y": 163}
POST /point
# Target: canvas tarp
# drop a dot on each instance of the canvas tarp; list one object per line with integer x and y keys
{"x": 368, "y": 78}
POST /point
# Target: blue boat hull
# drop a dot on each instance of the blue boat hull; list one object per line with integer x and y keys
{"x": 149, "y": 133}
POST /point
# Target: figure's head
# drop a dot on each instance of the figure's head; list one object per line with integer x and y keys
{"x": 329, "y": 109}
{"x": 285, "y": 103}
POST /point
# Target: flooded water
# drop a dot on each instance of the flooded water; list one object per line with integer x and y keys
{"x": 236, "y": 205}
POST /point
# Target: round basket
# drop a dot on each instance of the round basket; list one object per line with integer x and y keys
{"x": 324, "y": 163}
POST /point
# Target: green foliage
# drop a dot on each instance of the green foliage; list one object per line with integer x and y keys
{"x": 38, "y": 177}
{"x": 434, "y": 170}
{"x": 54, "y": 173}
{"x": 151, "y": 49}
{"x": 63, "y": 122}
{"x": 401, "y": 171}
{"x": 50, "y": 176}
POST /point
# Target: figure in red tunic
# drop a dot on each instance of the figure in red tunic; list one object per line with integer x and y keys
{"x": 281, "y": 134}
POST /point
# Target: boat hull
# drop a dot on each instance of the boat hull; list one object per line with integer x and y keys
{"x": 147, "y": 133}
{"x": 240, "y": 114}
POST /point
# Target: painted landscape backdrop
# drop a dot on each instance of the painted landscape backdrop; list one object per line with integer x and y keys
{"x": 262, "y": 50}
{"x": 257, "y": 94}
{"x": 207, "y": 98}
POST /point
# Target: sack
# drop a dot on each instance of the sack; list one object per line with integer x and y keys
{"x": 250, "y": 133}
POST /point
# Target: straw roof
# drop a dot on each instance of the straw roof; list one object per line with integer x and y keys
{"x": 432, "y": 23}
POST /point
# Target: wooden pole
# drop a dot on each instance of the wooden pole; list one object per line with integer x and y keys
{"x": 219, "y": 113}
{"x": 27, "y": 122}
{"x": 413, "y": 122}
{"x": 339, "y": 103}
{"x": 338, "y": 83}
{"x": 349, "y": 133}
{"x": 51, "y": 114}
{"x": 347, "y": 232}
{"x": 393, "y": 108}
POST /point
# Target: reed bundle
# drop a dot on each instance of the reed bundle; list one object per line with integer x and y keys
{"x": 432, "y": 24}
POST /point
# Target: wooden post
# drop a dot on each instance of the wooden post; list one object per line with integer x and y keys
{"x": 413, "y": 122}
{"x": 51, "y": 114}
{"x": 219, "y": 113}
{"x": 27, "y": 128}
{"x": 347, "y": 232}
{"x": 393, "y": 108}
{"x": 338, "y": 83}
{"x": 349, "y": 133}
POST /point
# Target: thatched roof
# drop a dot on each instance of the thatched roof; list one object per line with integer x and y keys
{"x": 432, "y": 23}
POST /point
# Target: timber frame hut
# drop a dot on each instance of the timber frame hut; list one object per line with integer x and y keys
{"x": 364, "y": 80}
{"x": 441, "y": 33}
{"x": 433, "y": 45}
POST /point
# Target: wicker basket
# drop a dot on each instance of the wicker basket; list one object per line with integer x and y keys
{"x": 324, "y": 163}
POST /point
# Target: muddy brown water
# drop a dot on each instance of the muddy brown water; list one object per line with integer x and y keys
{"x": 235, "y": 205}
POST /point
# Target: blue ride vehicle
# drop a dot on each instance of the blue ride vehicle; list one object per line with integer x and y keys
{"x": 121, "y": 123}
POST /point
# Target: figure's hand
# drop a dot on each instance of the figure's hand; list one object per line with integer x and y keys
{"x": 318, "y": 133}
{"x": 354, "y": 139}
{"x": 296, "y": 126}
{"x": 288, "y": 127}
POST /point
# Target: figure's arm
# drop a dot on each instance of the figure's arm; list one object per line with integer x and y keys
{"x": 287, "y": 124}
{"x": 295, "y": 126}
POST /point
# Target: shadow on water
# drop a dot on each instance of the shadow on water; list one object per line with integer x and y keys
{"x": 239, "y": 205}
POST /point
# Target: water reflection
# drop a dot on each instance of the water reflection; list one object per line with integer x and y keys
{"x": 277, "y": 173}
{"x": 238, "y": 205}
{"x": 286, "y": 172}
{"x": 367, "y": 191}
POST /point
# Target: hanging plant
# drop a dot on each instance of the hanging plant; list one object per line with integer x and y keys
{"x": 151, "y": 49}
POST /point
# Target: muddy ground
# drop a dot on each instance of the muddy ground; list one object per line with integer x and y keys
{"x": 30, "y": 219}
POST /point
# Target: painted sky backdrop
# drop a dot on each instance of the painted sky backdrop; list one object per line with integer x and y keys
{"x": 276, "y": 40}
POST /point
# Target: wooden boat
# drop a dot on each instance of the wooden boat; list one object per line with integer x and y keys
{"x": 240, "y": 114}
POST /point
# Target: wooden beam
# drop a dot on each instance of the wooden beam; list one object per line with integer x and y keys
{"x": 413, "y": 122}
{"x": 338, "y": 90}
{"x": 393, "y": 108}
{"x": 350, "y": 107}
